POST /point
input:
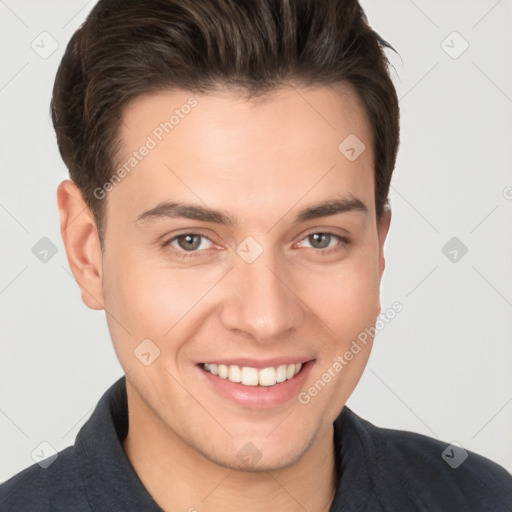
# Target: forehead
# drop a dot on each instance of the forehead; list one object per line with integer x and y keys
{"x": 336, "y": 110}
{"x": 221, "y": 148}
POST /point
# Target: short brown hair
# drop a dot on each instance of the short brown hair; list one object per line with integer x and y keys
{"x": 126, "y": 48}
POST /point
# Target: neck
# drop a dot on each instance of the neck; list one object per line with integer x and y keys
{"x": 178, "y": 477}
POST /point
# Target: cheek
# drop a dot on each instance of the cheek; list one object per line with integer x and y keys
{"x": 346, "y": 298}
{"x": 347, "y": 301}
{"x": 150, "y": 298}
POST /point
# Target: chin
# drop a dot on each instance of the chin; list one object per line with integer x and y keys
{"x": 257, "y": 453}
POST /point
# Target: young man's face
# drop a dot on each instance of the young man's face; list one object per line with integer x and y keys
{"x": 265, "y": 291}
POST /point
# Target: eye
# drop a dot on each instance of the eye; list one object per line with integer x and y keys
{"x": 325, "y": 240}
{"x": 188, "y": 243}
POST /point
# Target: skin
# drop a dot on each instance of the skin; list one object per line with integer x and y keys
{"x": 262, "y": 162}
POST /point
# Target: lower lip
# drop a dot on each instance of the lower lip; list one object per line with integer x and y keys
{"x": 258, "y": 396}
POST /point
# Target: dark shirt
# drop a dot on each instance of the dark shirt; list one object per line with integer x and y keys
{"x": 378, "y": 470}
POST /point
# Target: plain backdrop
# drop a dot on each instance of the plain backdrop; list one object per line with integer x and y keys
{"x": 442, "y": 367}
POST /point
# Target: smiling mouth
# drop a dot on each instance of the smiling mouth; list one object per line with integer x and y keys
{"x": 249, "y": 376}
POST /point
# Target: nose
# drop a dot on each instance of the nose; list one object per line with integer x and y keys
{"x": 262, "y": 302}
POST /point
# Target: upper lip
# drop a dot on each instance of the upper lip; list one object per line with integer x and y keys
{"x": 259, "y": 363}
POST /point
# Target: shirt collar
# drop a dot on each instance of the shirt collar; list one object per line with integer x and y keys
{"x": 112, "y": 484}
{"x": 110, "y": 480}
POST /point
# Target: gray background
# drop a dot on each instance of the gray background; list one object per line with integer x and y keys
{"x": 442, "y": 367}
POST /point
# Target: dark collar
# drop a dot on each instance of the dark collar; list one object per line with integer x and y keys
{"x": 112, "y": 483}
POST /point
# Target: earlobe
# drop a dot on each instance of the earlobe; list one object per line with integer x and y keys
{"x": 80, "y": 237}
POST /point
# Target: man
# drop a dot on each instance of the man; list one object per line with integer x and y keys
{"x": 230, "y": 166}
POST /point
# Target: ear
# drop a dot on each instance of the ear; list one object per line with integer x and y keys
{"x": 383, "y": 229}
{"x": 80, "y": 237}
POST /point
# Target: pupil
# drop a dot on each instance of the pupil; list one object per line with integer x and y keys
{"x": 324, "y": 243}
{"x": 189, "y": 243}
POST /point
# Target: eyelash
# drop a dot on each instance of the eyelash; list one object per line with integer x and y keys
{"x": 184, "y": 254}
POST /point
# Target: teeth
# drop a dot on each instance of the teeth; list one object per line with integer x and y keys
{"x": 249, "y": 376}
{"x": 223, "y": 371}
{"x": 252, "y": 376}
{"x": 267, "y": 377}
{"x": 234, "y": 373}
{"x": 281, "y": 373}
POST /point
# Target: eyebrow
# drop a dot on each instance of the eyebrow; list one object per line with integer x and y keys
{"x": 170, "y": 209}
